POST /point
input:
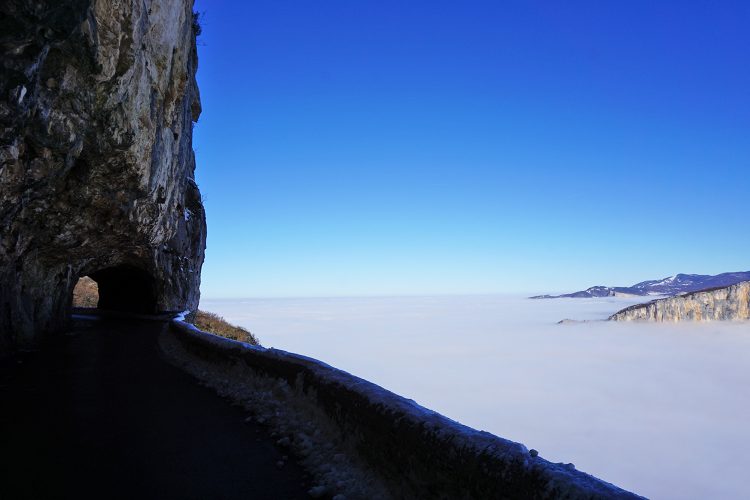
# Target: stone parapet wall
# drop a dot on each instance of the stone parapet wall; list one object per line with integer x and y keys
{"x": 416, "y": 452}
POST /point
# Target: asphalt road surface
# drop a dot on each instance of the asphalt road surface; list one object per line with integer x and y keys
{"x": 98, "y": 413}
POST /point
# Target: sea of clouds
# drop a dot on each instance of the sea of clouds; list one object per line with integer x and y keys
{"x": 659, "y": 409}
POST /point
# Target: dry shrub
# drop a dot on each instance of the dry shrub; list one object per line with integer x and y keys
{"x": 213, "y": 323}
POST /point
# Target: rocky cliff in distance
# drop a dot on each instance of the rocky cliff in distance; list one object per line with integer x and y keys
{"x": 728, "y": 303}
{"x": 97, "y": 104}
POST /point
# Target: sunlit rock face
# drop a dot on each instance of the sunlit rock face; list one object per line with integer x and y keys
{"x": 97, "y": 104}
{"x": 729, "y": 303}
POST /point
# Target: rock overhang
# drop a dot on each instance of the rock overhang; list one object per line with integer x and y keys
{"x": 97, "y": 108}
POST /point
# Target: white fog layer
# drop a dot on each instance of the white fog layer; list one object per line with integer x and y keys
{"x": 661, "y": 410}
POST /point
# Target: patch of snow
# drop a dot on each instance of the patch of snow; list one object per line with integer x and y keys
{"x": 181, "y": 316}
{"x": 665, "y": 281}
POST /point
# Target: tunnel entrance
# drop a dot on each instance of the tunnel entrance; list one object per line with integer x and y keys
{"x": 120, "y": 288}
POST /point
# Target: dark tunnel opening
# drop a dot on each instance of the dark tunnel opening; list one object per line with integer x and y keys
{"x": 125, "y": 288}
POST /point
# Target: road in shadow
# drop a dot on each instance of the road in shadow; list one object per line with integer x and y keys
{"x": 98, "y": 413}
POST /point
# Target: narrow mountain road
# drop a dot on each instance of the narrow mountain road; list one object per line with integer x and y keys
{"x": 98, "y": 413}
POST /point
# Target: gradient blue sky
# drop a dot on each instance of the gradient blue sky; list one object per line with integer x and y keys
{"x": 366, "y": 148}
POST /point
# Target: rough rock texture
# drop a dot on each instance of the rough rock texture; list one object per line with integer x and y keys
{"x": 97, "y": 104}
{"x": 728, "y": 303}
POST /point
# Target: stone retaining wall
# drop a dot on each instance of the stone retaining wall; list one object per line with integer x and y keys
{"x": 417, "y": 452}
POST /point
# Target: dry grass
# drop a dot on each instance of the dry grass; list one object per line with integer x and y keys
{"x": 86, "y": 293}
{"x": 213, "y": 323}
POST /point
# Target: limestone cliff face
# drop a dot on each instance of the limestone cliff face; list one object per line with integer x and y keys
{"x": 97, "y": 104}
{"x": 728, "y": 303}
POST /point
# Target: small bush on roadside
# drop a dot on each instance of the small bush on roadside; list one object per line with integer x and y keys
{"x": 213, "y": 323}
{"x": 197, "y": 29}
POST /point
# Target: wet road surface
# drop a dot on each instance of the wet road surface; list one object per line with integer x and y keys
{"x": 99, "y": 413}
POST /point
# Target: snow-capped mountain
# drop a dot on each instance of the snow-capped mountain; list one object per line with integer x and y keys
{"x": 673, "y": 285}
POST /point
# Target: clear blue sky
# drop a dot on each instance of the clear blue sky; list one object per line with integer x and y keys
{"x": 377, "y": 147}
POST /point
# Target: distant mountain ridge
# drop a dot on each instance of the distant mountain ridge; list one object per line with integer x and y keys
{"x": 673, "y": 285}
